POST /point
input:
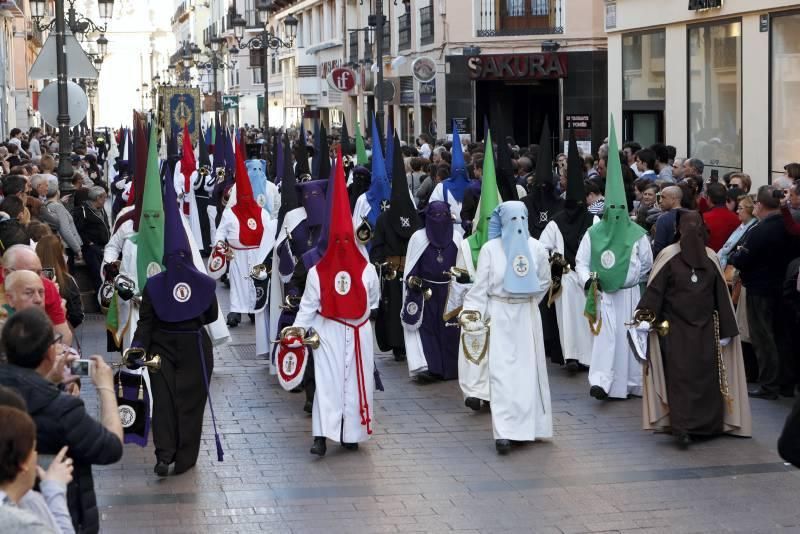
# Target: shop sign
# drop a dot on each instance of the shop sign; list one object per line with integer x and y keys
{"x": 230, "y": 102}
{"x": 326, "y": 67}
{"x": 423, "y": 69}
{"x": 427, "y": 93}
{"x": 577, "y": 121}
{"x": 461, "y": 123}
{"x": 342, "y": 79}
{"x": 548, "y": 65}
{"x": 701, "y": 5}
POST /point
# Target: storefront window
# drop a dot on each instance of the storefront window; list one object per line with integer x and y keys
{"x": 785, "y": 140}
{"x": 715, "y": 95}
{"x": 643, "y": 66}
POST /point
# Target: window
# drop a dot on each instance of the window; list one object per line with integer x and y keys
{"x": 426, "y": 25}
{"x": 258, "y": 79}
{"x": 715, "y": 95}
{"x": 404, "y": 32}
{"x": 643, "y": 66}
{"x": 785, "y": 91}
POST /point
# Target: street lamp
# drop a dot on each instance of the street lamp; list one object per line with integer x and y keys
{"x": 265, "y": 42}
{"x": 377, "y": 20}
{"x": 78, "y": 24}
{"x": 214, "y": 63}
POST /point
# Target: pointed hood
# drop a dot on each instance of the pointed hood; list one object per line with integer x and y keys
{"x": 139, "y": 157}
{"x": 202, "y": 145}
{"x": 315, "y": 160}
{"x": 289, "y": 199}
{"x": 172, "y": 144}
{"x": 180, "y": 292}
{"x": 276, "y": 167}
{"x": 230, "y": 156}
{"x": 150, "y": 238}
{"x": 342, "y": 291}
{"x": 439, "y": 224}
{"x": 301, "y": 156}
{"x": 188, "y": 162}
{"x": 490, "y": 199}
{"x": 389, "y": 152}
{"x": 219, "y": 147}
{"x": 506, "y": 181}
{"x": 347, "y": 146}
{"x": 324, "y": 156}
{"x": 402, "y": 214}
{"x": 278, "y": 158}
{"x": 575, "y": 219}
{"x": 208, "y": 137}
{"x": 509, "y": 223}
{"x": 459, "y": 179}
{"x": 613, "y": 238}
{"x": 314, "y": 254}
{"x": 361, "y": 150}
{"x": 380, "y": 189}
{"x": 542, "y": 200}
{"x": 247, "y": 210}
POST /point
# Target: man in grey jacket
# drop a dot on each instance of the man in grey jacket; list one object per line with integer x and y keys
{"x": 60, "y": 219}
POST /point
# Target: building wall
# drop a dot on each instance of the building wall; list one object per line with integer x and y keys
{"x": 675, "y": 18}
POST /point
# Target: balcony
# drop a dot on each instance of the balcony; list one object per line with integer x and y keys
{"x": 181, "y": 13}
{"x": 404, "y": 32}
{"x": 426, "y": 25}
{"x": 499, "y": 18}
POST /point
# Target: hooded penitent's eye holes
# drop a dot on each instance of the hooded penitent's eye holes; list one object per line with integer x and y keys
{"x": 519, "y": 231}
{"x": 513, "y": 218}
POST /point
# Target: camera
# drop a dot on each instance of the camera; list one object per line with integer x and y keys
{"x": 82, "y": 367}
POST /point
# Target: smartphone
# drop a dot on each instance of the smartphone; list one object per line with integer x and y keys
{"x": 714, "y": 176}
{"x": 49, "y": 273}
{"x": 81, "y": 367}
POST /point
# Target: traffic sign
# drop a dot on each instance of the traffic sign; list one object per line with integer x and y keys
{"x": 78, "y": 63}
{"x": 77, "y": 104}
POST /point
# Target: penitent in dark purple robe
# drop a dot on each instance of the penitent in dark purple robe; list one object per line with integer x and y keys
{"x": 439, "y": 341}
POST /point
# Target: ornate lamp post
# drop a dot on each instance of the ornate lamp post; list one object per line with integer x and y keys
{"x": 77, "y": 24}
{"x": 266, "y": 41}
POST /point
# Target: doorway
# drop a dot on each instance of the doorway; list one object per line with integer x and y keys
{"x": 644, "y": 127}
{"x": 517, "y": 109}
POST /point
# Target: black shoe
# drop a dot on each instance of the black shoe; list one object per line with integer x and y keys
{"x": 598, "y": 393}
{"x": 684, "y": 440}
{"x": 350, "y": 446}
{"x": 487, "y": 405}
{"x": 319, "y": 447}
{"x": 234, "y": 319}
{"x": 399, "y": 355}
{"x": 503, "y": 446}
{"x": 573, "y": 366}
{"x": 161, "y": 469}
{"x": 252, "y": 317}
{"x": 308, "y": 407}
{"x": 786, "y": 391}
{"x": 424, "y": 378}
{"x": 762, "y": 393}
{"x": 473, "y": 403}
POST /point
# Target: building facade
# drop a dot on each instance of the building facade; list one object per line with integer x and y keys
{"x": 548, "y": 57}
{"x": 716, "y": 79}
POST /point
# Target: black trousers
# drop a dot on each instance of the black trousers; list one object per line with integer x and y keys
{"x": 770, "y": 334}
{"x": 93, "y": 256}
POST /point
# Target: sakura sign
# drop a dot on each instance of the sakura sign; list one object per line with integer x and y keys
{"x": 342, "y": 79}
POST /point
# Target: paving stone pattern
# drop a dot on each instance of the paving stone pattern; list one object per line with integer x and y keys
{"x": 431, "y": 466}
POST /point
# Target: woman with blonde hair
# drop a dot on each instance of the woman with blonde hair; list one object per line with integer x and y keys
{"x": 51, "y": 253}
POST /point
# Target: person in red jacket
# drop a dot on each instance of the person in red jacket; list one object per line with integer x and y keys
{"x": 720, "y": 221}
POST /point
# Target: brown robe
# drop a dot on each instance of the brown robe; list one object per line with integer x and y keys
{"x": 682, "y": 384}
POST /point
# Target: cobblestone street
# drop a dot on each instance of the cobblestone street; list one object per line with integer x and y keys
{"x": 432, "y": 467}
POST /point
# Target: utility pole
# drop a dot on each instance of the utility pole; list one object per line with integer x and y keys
{"x": 64, "y": 141}
{"x": 379, "y": 23}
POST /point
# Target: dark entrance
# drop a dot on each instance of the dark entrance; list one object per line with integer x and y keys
{"x": 518, "y": 109}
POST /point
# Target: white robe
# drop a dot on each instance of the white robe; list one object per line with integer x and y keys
{"x": 243, "y": 291}
{"x": 455, "y": 206}
{"x": 518, "y": 384}
{"x": 573, "y": 328}
{"x": 473, "y": 378}
{"x": 188, "y": 198}
{"x": 415, "y": 354}
{"x": 336, "y": 407}
{"x": 614, "y": 367}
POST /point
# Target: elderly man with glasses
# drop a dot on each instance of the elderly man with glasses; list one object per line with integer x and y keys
{"x": 24, "y": 258}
